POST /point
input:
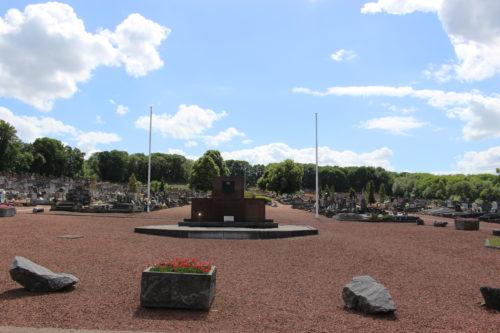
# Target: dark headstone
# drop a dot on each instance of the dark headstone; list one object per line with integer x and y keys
{"x": 491, "y": 297}
{"x": 7, "y": 211}
{"x": 440, "y": 223}
{"x": 466, "y": 224}
{"x": 366, "y": 295}
{"x": 496, "y": 232}
{"x": 34, "y": 277}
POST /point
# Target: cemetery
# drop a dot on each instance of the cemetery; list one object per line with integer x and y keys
{"x": 160, "y": 171}
{"x": 348, "y": 275}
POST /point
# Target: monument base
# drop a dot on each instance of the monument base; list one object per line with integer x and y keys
{"x": 231, "y": 224}
{"x": 282, "y": 231}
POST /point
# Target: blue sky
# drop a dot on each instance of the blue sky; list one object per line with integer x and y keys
{"x": 407, "y": 85}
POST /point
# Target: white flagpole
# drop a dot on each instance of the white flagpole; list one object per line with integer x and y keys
{"x": 149, "y": 157}
{"x": 317, "y": 182}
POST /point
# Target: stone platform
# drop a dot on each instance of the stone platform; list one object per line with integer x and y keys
{"x": 282, "y": 231}
{"x": 217, "y": 224}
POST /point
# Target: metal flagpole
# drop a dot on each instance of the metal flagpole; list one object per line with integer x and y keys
{"x": 317, "y": 182}
{"x": 149, "y": 162}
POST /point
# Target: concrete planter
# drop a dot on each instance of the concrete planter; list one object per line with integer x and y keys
{"x": 466, "y": 224}
{"x": 178, "y": 290}
{"x": 7, "y": 212}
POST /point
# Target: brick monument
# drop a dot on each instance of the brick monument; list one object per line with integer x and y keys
{"x": 228, "y": 207}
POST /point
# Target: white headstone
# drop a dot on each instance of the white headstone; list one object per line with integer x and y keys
{"x": 228, "y": 218}
{"x": 2, "y": 196}
{"x": 494, "y": 207}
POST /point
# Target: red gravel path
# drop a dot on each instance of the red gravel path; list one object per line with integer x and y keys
{"x": 293, "y": 284}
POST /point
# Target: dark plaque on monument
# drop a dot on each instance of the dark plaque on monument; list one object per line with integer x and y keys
{"x": 228, "y": 207}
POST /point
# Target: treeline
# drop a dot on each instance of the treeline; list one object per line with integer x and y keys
{"x": 45, "y": 156}
{"x": 50, "y": 157}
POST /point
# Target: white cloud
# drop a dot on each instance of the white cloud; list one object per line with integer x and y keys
{"x": 343, "y": 55}
{"x": 247, "y": 141}
{"x": 121, "y": 110}
{"x": 402, "y": 110}
{"x": 30, "y": 128}
{"x": 191, "y": 143}
{"x": 394, "y": 125}
{"x": 223, "y": 137}
{"x": 479, "y": 113}
{"x": 472, "y": 27}
{"x": 99, "y": 121}
{"x": 137, "y": 40}
{"x": 400, "y": 7}
{"x": 485, "y": 161}
{"x": 88, "y": 141}
{"x": 276, "y": 152}
{"x": 181, "y": 152}
{"x": 188, "y": 123}
{"x": 46, "y": 51}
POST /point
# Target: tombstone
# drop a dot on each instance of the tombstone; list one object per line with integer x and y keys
{"x": 494, "y": 207}
{"x": 2, "y": 196}
{"x": 229, "y": 207}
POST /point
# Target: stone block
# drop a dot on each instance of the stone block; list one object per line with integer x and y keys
{"x": 178, "y": 290}
{"x": 466, "y": 224}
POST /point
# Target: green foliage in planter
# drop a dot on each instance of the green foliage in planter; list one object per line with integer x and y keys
{"x": 182, "y": 265}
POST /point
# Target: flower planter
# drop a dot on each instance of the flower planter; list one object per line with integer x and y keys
{"x": 466, "y": 224}
{"x": 178, "y": 290}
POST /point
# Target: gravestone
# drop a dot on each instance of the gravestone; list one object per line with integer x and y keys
{"x": 228, "y": 207}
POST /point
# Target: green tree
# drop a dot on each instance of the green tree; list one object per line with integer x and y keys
{"x": 370, "y": 192}
{"x": 283, "y": 177}
{"x": 256, "y": 171}
{"x": 91, "y": 167}
{"x": 219, "y": 161}
{"x": 329, "y": 176}
{"x": 24, "y": 158}
{"x": 73, "y": 162}
{"x": 203, "y": 172}
{"x": 132, "y": 184}
{"x": 352, "y": 194}
{"x": 8, "y": 140}
{"x": 381, "y": 193}
{"x": 138, "y": 165}
{"x": 113, "y": 165}
{"x": 49, "y": 157}
{"x": 309, "y": 176}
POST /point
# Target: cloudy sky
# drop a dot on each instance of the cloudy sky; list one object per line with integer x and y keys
{"x": 409, "y": 85}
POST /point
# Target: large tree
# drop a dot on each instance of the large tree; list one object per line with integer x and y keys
{"x": 113, "y": 165}
{"x": 8, "y": 144}
{"x": 335, "y": 176}
{"x": 219, "y": 161}
{"x": 283, "y": 177}
{"x": 203, "y": 172}
{"x": 52, "y": 158}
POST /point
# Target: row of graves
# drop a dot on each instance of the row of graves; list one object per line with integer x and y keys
{"x": 345, "y": 207}
{"x": 79, "y": 195}
{"x": 342, "y": 206}
{"x": 485, "y": 211}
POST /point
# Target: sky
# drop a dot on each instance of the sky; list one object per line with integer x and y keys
{"x": 407, "y": 85}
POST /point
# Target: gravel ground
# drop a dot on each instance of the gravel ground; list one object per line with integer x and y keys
{"x": 293, "y": 284}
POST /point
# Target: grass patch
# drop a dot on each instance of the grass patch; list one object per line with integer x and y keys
{"x": 494, "y": 241}
{"x": 249, "y": 195}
